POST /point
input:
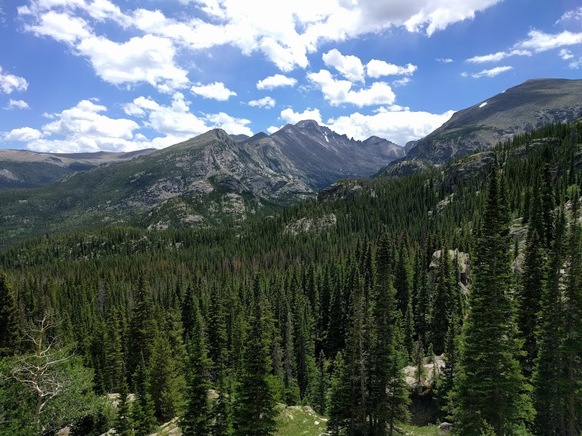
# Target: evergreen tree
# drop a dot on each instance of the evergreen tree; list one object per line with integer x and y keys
{"x": 143, "y": 409}
{"x": 443, "y": 303}
{"x": 9, "y": 319}
{"x": 124, "y": 425}
{"x": 489, "y": 387}
{"x": 196, "y": 417}
{"x": 388, "y": 390}
{"x": 254, "y": 412}
{"x": 340, "y": 397}
{"x": 446, "y": 382}
{"x": 572, "y": 344}
{"x": 548, "y": 388}
{"x": 142, "y": 329}
{"x": 113, "y": 354}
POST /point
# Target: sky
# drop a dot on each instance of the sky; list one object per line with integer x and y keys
{"x": 122, "y": 75}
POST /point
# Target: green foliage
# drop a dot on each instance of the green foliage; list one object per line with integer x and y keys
{"x": 117, "y": 291}
{"x": 490, "y": 390}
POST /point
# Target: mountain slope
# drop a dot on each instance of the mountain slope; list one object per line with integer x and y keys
{"x": 520, "y": 109}
{"x": 28, "y": 169}
{"x": 320, "y": 155}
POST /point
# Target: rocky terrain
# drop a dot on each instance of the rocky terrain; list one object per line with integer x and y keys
{"x": 518, "y": 110}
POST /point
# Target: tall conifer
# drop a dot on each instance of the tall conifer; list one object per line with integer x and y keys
{"x": 490, "y": 389}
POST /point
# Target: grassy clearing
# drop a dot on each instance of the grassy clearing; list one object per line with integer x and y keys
{"x": 300, "y": 420}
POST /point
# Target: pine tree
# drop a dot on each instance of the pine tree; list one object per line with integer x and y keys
{"x": 143, "y": 409}
{"x": 490, "y": 389}
{"x": 113, "y": 354}
{"x": 124, "y": 425}
{"x": 572, "y": 344}
{"x": 443, "y": 303}
{"x": 340, "y": 397}
{"x": 9, "y": 320}
{"x": 254, "y": 412}
{"x": 388, "y": 390}
{"x": 196, "y": 417}
{"x": 548, "y": 389}
{"x": 142, "y": 329}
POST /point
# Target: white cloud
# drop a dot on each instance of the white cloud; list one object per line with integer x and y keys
{"x": 574, "y": 14}
{"x": 234, "y": 126}
{"x": 292, "y": 31}
{"x": 61, "y": 27}
{"x": 397, "y": 126}
{"x": 539, "y": 41}
{"x": 491, "y": 72}
{"x": 350, "y": 67}
{"x": 432, "y": 16}
{"x": 10, "y": 83}
{"x": 147, "y": 59}
{"x": 79, "y": 129}
{"x": 576, "y": 65}
{"x": 176, "y": 123}
{"x": 377, "y": 68}
{"x": 215, "y": 91}
{"x": 445, "y": 60}
{"x": 276, "y": 81}
{"x": 23, "y": 134}
{"x": 566, "y": 54}
{"x": 267, "y": 102}
{"x": 496, "y": 57}
{"x": 289, "y": 116}
{"x": 17, "y": 104}
{"x": 337, "y": 92}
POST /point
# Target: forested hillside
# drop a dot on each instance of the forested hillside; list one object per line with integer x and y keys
{"x": 320, "y": 304}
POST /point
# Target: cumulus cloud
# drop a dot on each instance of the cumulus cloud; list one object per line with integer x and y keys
{"x": 234, "y": 126}
{"x": 289, "y": 116}
{"x": 293, "y": 30}
{"x": 23, "y": 134}
{"x": 432, "y": 16}
{"x": 10, "y": 83}
{"x": 276, "y": 81}
{"x": 266, "y": 102}
{"x": 337, "y": 92}
{"x": 377, "y": 68}
{"x": 216, "y": 91}
{"x": 350, "y": 66}
{"x": 17, "y": 104}
{"x": 147, "y": 59}
{"x": 399, "y": 126}
{"x": 491, "y": 72}
{"x": 60, "y": 26}
{"x": 81, "y": 128}
{"x": 176, "y": 123}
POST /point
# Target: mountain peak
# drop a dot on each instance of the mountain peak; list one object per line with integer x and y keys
{"x": 307, "y": 124}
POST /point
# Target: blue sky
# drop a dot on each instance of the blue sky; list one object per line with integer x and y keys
{"x": 120, "y": 75}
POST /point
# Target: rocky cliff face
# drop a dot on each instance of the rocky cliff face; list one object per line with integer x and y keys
{"x": 517, "y": 110}
{"x": 320, "y": 156}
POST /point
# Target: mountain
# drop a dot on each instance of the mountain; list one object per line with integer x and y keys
{"x": 28, "y": 169}
{"x": 320, "y": 154}
{"x": 520, "y": 109}
{"x": 212, "y": 179}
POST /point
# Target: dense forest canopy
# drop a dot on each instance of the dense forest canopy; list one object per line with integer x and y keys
{"x": 478, "y": 262}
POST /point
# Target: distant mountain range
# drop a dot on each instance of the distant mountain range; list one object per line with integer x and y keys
{"x": 220, "y": 179}
{"x": 212, "y": 179}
